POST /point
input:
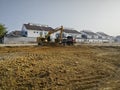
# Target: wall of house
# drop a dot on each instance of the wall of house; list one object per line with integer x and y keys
{"x": 87, "y": 36}
{"x": 74, "y": 35}
{"x": 36, "y": 33}
{"x": 79, "y": 36}
{"x": 117, "y": 39}
{"x": 95, "y": 36}
{"x": 93, "y": 41}
{"x": 33, "y": 33}
{"x": 90, "y": 36}
{"x": 80, "y": 40}
{"x": 1, "y": 40}
{"x": 19, "y": 40}
{"x": 105, "y": 41}
{"x": 24, "y": 31}
{"x": 104, "y": 36}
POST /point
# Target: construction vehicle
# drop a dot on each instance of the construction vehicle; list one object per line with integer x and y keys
{"x": 59, "y": 40}
{"x": 47, "y": 40}
{"x": 68, "y": 40}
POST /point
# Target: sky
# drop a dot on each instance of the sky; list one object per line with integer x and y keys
{"x": 93, "y": 15}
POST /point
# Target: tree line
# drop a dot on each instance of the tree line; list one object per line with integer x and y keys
{"x": 3, "y": 30}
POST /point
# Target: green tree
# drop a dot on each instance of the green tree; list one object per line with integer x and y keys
{"x": 3, "y": 30}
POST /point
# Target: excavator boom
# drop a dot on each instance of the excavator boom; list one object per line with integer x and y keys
{"x": 42, "y": 40}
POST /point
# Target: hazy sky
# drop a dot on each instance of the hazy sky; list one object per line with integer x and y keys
{"x": 94, "y": 15}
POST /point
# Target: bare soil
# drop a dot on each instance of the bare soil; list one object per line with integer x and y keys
{"x": 60, "y": 68}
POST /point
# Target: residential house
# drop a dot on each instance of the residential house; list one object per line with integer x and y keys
{"x": 105, "y": 37}
{"x": 1, "y": 40}
{"x": 16, "y": 33}
{"x": 89, "y": 36}
{"x": 35, "y": 30}
{"x": 117, "y": 39}
{"x": 76, "y": 35}
{"x": 16, "y": 37}
{"x": 69, "y": 32}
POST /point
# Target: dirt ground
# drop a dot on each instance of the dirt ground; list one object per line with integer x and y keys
{"x": 60, "y": 68}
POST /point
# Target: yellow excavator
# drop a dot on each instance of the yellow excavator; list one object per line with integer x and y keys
{"x": 47, "y": 41}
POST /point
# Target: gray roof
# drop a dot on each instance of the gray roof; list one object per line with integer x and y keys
{"x": 14, "y": 34}
{"x": 102, "y": 34}
{"x": 37, "y": 27}
{"x": 71, "y": 31}
{"x": 41, "y": 28}
{"x": 88, "y": 32}
{"x": 118, "y": 36}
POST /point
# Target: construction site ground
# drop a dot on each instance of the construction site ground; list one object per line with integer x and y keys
{"x": 80, "y": 67}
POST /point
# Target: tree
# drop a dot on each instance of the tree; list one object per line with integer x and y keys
{"x": 3, "y": 30}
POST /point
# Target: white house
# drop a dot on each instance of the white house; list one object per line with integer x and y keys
{"x": 90, "y": 37}
{"x": 117, "y": 39}
{"x": 71, "y": 32}
{"x": 105, "y": 38}
{"x": 68, "y": 32}
{"x": 89, "y": 34}
{"x": 35, "y": 30}
{"x": 99, "y": 37}
{"x": 102, "y": 35}
{"x": 76, "y": 35}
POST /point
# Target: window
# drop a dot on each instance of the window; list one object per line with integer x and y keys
{"x": 26, "y": 33}
{"x": 45, "y": 33}
{"x": 41, "y": 33}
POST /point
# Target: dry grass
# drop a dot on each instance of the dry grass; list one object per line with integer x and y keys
{"x": 60, "y": 68}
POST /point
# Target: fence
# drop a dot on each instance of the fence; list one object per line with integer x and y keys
{"x": 19, "y": 40}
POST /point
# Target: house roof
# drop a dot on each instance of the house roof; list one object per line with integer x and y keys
{"x": 37, "y": 27}
{"x": 46, "y": 28}
{"x": 102, "y": 34}
{"x": 71, "y": 31}
{"x": 118, "y": 36}
{"x": 89, "y": 32}
{"x": 14, "y": 34}
{"x": 17, "y": 32}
